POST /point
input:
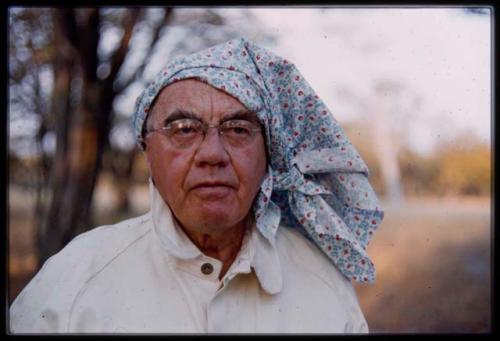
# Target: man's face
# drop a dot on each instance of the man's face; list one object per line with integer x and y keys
{"x": 210, "y": 185}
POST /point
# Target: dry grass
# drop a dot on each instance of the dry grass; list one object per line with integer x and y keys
{"x": 432, "y": 258}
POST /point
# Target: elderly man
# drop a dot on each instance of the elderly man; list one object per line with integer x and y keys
{"x": 260, "y": 214}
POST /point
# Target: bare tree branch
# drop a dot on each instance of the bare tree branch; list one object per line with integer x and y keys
{"x": 120, "y": 54}
{"x": 167, "y": 17}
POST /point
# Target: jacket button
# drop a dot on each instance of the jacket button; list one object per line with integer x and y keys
{"x": 207, "y": 268}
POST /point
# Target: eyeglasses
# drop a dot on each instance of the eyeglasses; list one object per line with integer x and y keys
{"x": 187, "y": 132}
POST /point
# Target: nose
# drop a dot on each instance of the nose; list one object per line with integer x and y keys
{"x": 211, "y": 151}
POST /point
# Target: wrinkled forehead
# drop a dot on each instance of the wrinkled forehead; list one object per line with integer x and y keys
{"x": 192, "y": 97}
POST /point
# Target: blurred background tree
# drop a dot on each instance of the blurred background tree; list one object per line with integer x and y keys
{"x": 71, "y": 73}
{"x": 464, "y": 167}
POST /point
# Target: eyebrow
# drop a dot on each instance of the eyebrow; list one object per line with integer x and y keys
{"x": 178, "y": 114}
{"x": 242, "y": 114}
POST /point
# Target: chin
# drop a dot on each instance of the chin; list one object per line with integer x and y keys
{"x": 216, "y": 219}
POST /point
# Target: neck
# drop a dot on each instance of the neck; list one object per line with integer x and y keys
{"x": 223, "y": 245}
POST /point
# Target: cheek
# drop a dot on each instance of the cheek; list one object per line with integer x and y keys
{"x": 261, "y": 161}
{"x": 168, "y": 169}
{"x": 251, "y": 167}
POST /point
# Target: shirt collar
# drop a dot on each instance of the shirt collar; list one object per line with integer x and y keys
{"x": 255, "y": 252}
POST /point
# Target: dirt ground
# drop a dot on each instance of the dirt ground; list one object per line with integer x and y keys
{"x": 433, "y": 261}
{"x": 432, "y": 258}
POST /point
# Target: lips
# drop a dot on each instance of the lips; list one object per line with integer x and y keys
{"x": 211, "y": 184}
{"x": 212, "y": 190}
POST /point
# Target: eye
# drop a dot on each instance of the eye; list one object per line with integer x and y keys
{"x": 240, "y": 130}
{"x": 237, "y": 128}
{"x": 185, "y": 127}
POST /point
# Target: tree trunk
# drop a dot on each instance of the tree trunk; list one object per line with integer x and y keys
{"x": 82, "y": 108}
{"x": 80, "y": 140}
{"x": 75, "y": 174}
{"x": 121, "y": 166}
{"x": 387, "y": 150}
{"x": 48, "y": 232}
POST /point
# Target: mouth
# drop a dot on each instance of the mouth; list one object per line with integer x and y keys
{"x": 212, "y": 190}
{"x": 212, "y": 185}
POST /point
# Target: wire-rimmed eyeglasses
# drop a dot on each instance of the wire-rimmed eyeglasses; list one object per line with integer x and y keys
{"x": 187, "y": 132}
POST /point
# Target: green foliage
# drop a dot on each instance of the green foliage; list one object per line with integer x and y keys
{"x": 459, "y": 168}
{"x": 418, "y": 173}
{"x": 465, "y": 169}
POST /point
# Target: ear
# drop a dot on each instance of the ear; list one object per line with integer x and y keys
{"x": 147, "y": 159}
{"x": 148, "y": 162}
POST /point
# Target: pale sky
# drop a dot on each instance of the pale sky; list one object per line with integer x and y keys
{"x": 440, "y": 55}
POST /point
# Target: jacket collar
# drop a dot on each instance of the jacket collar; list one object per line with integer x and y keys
{"x": 256, "y": 252}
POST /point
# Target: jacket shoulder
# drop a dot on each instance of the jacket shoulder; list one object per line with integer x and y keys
{"x": 44, "y": 305}
{"x": 105, "y": 240}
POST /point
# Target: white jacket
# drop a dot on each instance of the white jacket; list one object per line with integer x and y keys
{"x": 143, "y": 275}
